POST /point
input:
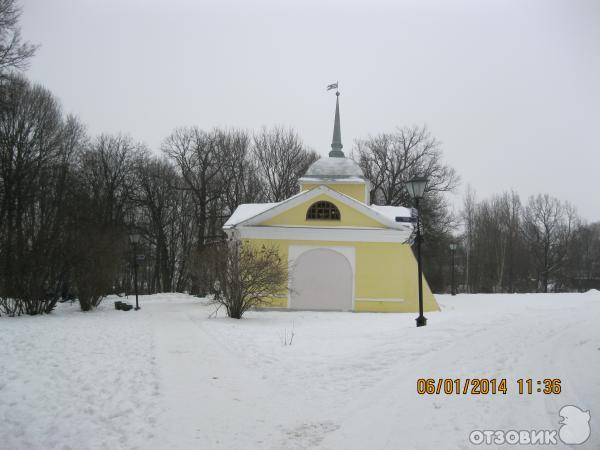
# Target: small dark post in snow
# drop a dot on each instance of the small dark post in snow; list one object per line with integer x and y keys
{"x": 416, "y": 189}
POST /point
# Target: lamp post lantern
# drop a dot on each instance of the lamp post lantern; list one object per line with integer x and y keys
{"x": 453, "y": 247}
{"x": 134, "y": 238}
{"x": 416, "y": 189}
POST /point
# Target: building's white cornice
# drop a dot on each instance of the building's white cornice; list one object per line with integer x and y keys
{"x": 332, "y": 180}
{"x": 337, "y": 234}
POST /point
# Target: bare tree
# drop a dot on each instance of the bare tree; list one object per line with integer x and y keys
{"x": 495, "y": 256}
{"x": 581, "y": 270}
{"x": 197, "y": 155}
{"x": 217, "y": 170}
{"x": 248, "y": 276}
{"x": 101, "y": 199}
{"x": 493, "y": 232}
{"x": 389, "y": 160}
{"x": 14, "y": 53}
{"x": 36, "y": 151}
{"x": 282, "y": 159}
{"x": 511, "y": 226}
{"x": 161, "y": 207}
{"x": 547, "y": 227}
{"x": 106, "y": 170}
{"x": 240, "y": 178}
{"x": 468, "y": 216}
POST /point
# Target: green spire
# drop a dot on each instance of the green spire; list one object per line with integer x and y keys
{"x": 336, "y": 143}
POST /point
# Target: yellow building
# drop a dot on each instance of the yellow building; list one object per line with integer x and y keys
{"x": 343, "y": 253}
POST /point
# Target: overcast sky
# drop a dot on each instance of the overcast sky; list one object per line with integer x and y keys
{"x": 510, "y": 88}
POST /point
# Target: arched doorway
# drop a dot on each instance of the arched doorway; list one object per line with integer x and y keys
{"x": 322, "y": 279}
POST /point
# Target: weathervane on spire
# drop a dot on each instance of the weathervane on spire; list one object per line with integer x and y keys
{"x": 334, "y": 86}
{"x": 336, "y": 143}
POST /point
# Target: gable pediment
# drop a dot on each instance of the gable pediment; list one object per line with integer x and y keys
{"x": 293, "y": 213}
{"x": 297, "y": 215}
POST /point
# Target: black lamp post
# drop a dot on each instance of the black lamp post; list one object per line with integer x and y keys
{"x": 217, "y": 288}
{"x": 453, "y": 251}
{"x": 134, "y": 238}
{"x": 416, "y": 189}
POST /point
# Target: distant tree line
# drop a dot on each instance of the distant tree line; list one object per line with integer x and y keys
{"x": 503, "y": 244}
{"x": 538, "y": 246}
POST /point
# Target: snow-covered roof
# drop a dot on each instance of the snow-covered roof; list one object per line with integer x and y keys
{"x": 333, "y": 168}
{"x": 391, "y": 212}
{"x": 245, "y": 211}
{"x": 331, "y": 179}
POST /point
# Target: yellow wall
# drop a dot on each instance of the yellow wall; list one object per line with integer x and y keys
{"x": 383, "y": 271}
{"x": 354, "y": 190}
{"x": 350, "y": 217}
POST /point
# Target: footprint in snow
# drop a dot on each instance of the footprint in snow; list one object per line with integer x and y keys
{"x": 309, "y": 435}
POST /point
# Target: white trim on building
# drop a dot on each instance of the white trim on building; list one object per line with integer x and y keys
{"x": 296, "y": 233}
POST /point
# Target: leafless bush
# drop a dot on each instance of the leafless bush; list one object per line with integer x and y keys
{"x": 248, "y": 276}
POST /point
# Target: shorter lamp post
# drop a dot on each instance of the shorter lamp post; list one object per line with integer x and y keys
{"x": 416, "y": 189}
{"x": 217, "y": 288}
{"x": 453, "y": 247}
{"x": 134, "y": 238}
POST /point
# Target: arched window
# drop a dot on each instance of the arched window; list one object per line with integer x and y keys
{"x": 323, "y": 211}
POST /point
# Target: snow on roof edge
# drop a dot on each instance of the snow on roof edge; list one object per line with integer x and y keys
{"x": 332, "y": 179}
{"x": 245, "y": 211}
{"x": 391, "y": 212}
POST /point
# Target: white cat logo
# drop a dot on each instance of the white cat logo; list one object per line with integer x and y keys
{"x": 575, "y": 427}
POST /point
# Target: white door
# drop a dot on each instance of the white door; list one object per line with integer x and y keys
{"x": 322, "y": 279}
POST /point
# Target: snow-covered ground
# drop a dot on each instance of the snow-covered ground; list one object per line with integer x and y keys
{"x": 169, "y": 377}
